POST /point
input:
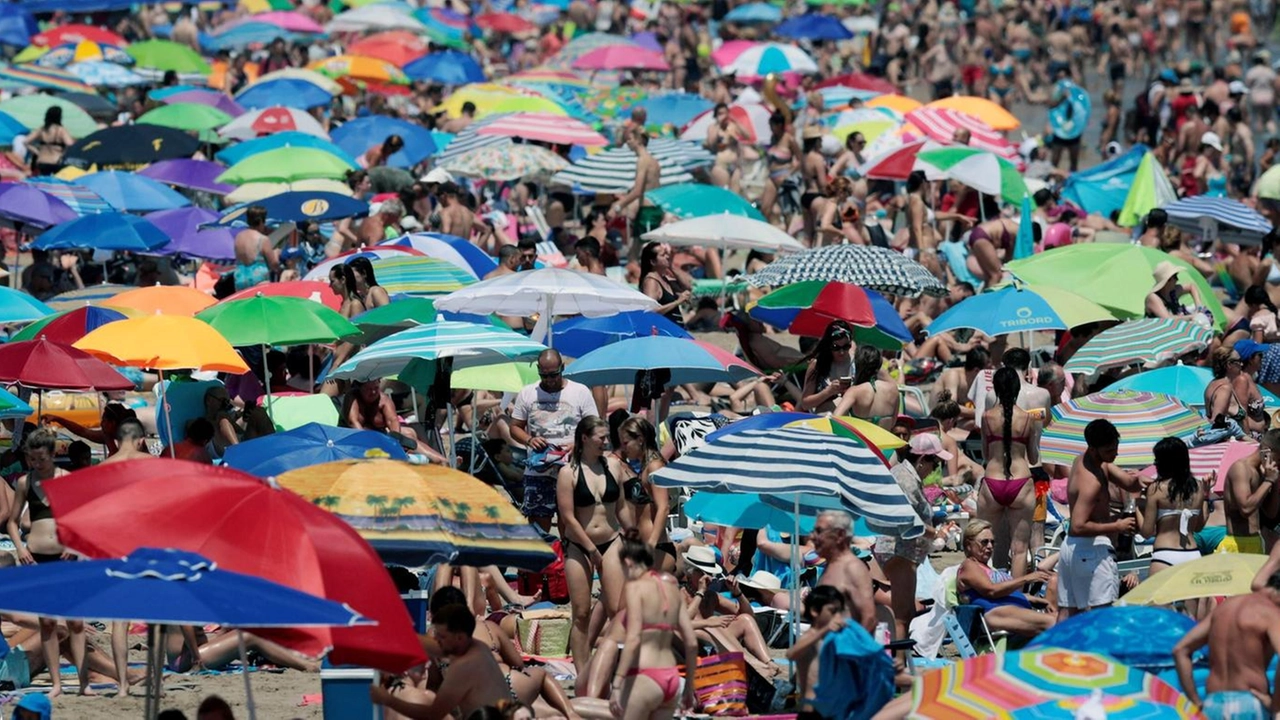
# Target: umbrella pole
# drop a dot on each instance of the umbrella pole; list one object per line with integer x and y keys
{"x": 168, "y": 417}
{"x": 475, "y": 434}
{"x": 154, "y": 684}
{"x": 266, "y": 371}
{"x": 795, "y": 572}
{"x": 453, "y": 445}
{"x": 248, "y": 687}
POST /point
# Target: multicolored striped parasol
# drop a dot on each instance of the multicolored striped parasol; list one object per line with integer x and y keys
{"x": 1143, "y": 419}
{"x": 420, "y": 275}
{"x": 1150, "y": 340}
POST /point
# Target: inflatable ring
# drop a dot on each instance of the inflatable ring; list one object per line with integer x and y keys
{"x": 1069, "y": 118}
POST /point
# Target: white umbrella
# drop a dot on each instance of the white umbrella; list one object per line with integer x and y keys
{"x": 250, "y": 192}
{"x": 725, "y": 232}
{"x": 544, "y": 293}
{"x": 257, "y": 123}
{"x": 374, "y": 17}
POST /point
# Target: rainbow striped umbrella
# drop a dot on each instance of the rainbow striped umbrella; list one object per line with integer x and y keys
{"x": 420, "y": 275}
{"x": 1142, "y": 418}
{"x": 41, "y": 77}
{"x": 1151, "y": 340}
{"x": 77, "y": 197}
{"x": 93, "y": 295}
{"x": 998, "y": 684}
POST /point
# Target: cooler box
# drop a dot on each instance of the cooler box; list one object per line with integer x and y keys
{"x": 415, "y": 601}
{"x": 346, "y": 693}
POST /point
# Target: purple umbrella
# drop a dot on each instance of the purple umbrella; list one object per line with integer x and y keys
{"x": 182, "y": 225}
{"x": 207, "y": 97}
{"x": 647, "y": 40}
{"x": 185, "y": 173}
{"x": 22, "y": 203}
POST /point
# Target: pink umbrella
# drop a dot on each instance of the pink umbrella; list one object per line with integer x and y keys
{"x": 621, "y": 57}
{"x": 751, "y": 117}
{"x": 730, "y": 50}
{"x": 285, "y": 20}
{"x": 1217, "y": 458}
{"x": 545, "y": 127}
{"x": 941, "y": 124}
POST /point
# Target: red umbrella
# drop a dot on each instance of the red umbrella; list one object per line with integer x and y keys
{"x": 941, "y": 124}
{"x": 860, "y": 81}
{"x": 244, "y": 525}
{"x": 505, "y": 23}
{"x": 398, "y": 47}
{"x": 74, "y": 33}
{"x": 898, "y": 163}
{"x": 310, "y": 289}
{"x": 43, "y": 364}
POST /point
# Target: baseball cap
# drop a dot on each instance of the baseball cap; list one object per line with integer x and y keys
{"x": 1248, "y": 348}
{"x": 929, "y": 444}
{"x": 1236, "y": 87}
{"x": 438, "y": 175}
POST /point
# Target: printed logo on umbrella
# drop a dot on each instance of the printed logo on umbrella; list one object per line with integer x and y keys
{"x": 1210, "y": 578}
{"x": 312, "y": 208}
{"x": 1026, "y": 317}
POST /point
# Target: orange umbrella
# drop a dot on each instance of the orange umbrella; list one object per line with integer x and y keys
{"x": 398, "y": 47}
{"x": 360, "y": 68}
{"x": 983, "y": 109}
{"x": 163, "y": 342}
{"x": 163, "y": 300}
{"x": 899, "y": 103}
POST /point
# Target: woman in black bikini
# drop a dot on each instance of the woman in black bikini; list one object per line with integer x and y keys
{"x": 50, "y": 142}
{"x": 592, "y": 514}
{"x": 638, "y": 441}
{"x": 659, "y": 281}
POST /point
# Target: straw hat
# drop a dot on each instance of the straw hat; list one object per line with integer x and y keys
{"x": 703, "y": 558}
{"x": 812, "y": 132}
{"x": 1163, "y": 273}
{"x": 761, "y": 580}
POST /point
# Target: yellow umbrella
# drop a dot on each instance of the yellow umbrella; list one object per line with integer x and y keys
{"x": 870, "y": 129}
{"x": 163, "y": 300}
{"x": 491, "y": 99}
{"x": 87, "y": 50}
{"x": 897, "y": 103}
{"x": 871, "y": 432}
{"x": 163, "y": 342}
{"x": 358, "y": 67}
{"x": 983, "y": 109}
{"x": 252, "y": 191}
{"x": 30, "y": 53}
{"x": 1211, "y": 576}
{"x": 422, "y": 514}
{"x": 505, "y": 377}
{"x": 311, "y": 76}
{"x": 70, "y": 173}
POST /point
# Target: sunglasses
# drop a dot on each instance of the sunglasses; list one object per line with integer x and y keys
{"x": 841, "y": 348}
{"x": 552, "y": 374}
{"x": 1235, "y": 361}
{"x": 986, "y": 543}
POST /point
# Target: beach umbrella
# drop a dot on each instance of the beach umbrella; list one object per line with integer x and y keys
{"x": 1218, "y": 575}
{"x": 44, "y": 364}
{"x": 98, "y": 107}
{"x": 541, "y": 127}
{"x": 163, "y": 342}
{"x": 16, "y": 25}
{"x": 756, "y": 12}
{"x": 813, "y": 26}
{"x": 288, "y": 92}
{"x": 1150, "y": 189}
{"x": 398, "y": 47}
{"x": 241, "y": 150}
{"x": 377, "y": 16}
{"x": 248, "y": 36}
{"x": 991, "y": 113}
{"x": 447, "y": 27}
{"x": 752, "y": 117}
{"x": 1268, "y": 185}
{"x": 13, "y": 408}
{"x": 73, "y": 33}
{"x": 725, "y": 232}
{"x": 893, "y": 101}
{"x": 360, "y": 68}
{"x": 1134, "y": 342}
{"x": 19, "y": 307}
{"x": 85, "y": 50}
{"x": 307, "y": 446}
{"x": 252, "y": 192}
{"x": 506, "y": 162}
{"x": 132, "y": 192}
{"x": 1114, "y": 707}
{"x": 163, "y": 300}
{"x": 450, "y": 248}
{"x": 266, "y": 121}
{"x": 611, "y": 101}
{"x": 1218, "y": 218}
{"x": 740, "y": 510}
{"x": 208, "y": 98}
{"x": 582, "y": 45}
{"x": 30, "y": 109}
{"x": 676, "y": 109}
{"x": 1019, "y": 308}
{"x": 1142, "y": 419}
{"x": 941, "y": 124}
{"x": 509, "y": 377}
{"x": 996, "y": 684}
{"x": 186, "y": 237}
{"x": 99, "y": 73}
{"x": 90, "y": 296}
{"x": 764, "y": 58}
{"x": 692, "y": 200}
{"x": 291, "y": 20}
{"x": 876, "y": 268}
{"x": 104, "y": 231}
{"x": 319, "y": 292}
{"x": 165, "y": 55}
{"x": 299, "y": 206}
{"x": 614, "y": 171}
{"x": 68, "y": 326}
{"x": 285, "y": 165}
{"x": 185, "y": 116}
{"x": 419, "y": 275}
{"x": 491, "y": 99}
{"x": 409, "y": 312}
{"x": 687, "y": 360}
{"x": 807, "y": 308}
{"x": 329, "y": 85}
{"x": 305, "y": 547}
{"x": 422, "y": 515}
{"x": 979, "y": 169}
{"x": 43, "y": 78}
{"x": 359, "y": 135}
{"x": 1111, "y": 630}
{"x": 580, "y": 335}
{"x": 1113, "y": 275}
{"x": 447, "y": 67}
{"x": 467, "y": 343}
{"x": 130, "y": 145}
{"x": 77, "y": 197}
{"x": 1185, "y": 382}
{"x": 268, "y": 320}
{"x": 23, "y": 204}
{"x": 621, "y": 57}
{"x": 191, "y": 174}
{"x": 504, "y": 22}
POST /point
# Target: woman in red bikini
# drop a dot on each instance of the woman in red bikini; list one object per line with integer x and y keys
{"x": 647, "y": 681}
{"x": 991, "y": 246}
{"x": 1007, "y": 500}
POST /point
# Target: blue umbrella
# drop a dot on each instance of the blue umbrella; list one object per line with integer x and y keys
{"x": 10, "y": 128}
{"x": 448, "y": 67}
{"x": 249, "y": 148}
{"x": 1185, "y": 382}
{"x": 162, "y": 93}
{"x": 289, "y": 92}
{"x": 12, "y": 407}
{"x": 22, "y": 203}
{"x": 1218, "y": 218}
{"x": 357, "y": 136}
{"x": 580, "y": 335}
{"x": 677, "y": 108}
{"x": 813, "y": 26}
{"x": 742, "y": 510}
{"x": 132, "y": 192}
{"x": 311, "y": 444}
{"x": 100, "y": 73}
{"x": 106, "y": 231}
{"x": 688, "y": 361}
{"x": 451, "y": 248}
{"x": 756, "y": 12}
{"x": 249, "y": 33}
{"x": 299, "y": 206}
{"x": 1014, "y": 309}
{"x": 77, "y": 197}
{"x": 17, "y": 306}
{"x": 763, "y": 421}
{"x": 16, "y": 25}
{"x": 1141, "y": 637}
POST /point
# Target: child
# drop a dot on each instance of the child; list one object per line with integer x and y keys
{"x": 824, "y": 608}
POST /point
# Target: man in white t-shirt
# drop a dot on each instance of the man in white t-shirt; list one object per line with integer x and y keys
{"x": 545, "y": 415}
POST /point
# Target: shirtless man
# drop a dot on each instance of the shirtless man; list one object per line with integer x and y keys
{"x": 508, "y": 262}
{"x": 455, "y": 218}
{"x": 647, "y": 215}
{"x": 1088, "y": 577}
{"x": 832, "y": 532}
{"x": 959, "y": 380}
{"x": 256, "y": 259}
{"x": 460, "y": 123}
{"x": 1035, "y": 400}
{"x": 587, "y": 252}
{"x": 1243, "y": 634}
{"x": 382, "y": 225}
{"x": 1249, "y": 482}
{"x": 132, "y": 437}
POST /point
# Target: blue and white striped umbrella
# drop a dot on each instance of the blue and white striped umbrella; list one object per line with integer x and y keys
{"x": 449, "y": 248}
{"x": 1218, "y": 218}
{"x": 468, "y": 344}
{"x": 782, "y": 461}
{"x": 614, "y": 171}
{"x": 99, "y": 73}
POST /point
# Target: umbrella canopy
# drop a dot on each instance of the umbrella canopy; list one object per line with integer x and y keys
{"x": 132, "y": 192}
{"x": 614, "y": 171}
{"x": 545, "y": 128}
{"x": 752, "y": 118}
{"x": 265, "y": 320}
{"x": 106, "y": 231}
{"x": 256, "y": 123}
{"x": 1119, "y": 708}
{"x": 849, "y": 427}
{"x": 163, "y": 300}
{"x": 98, "y": 107}
{"x": 687, "y": 360}
{"x": 756, "y": 12}
{"x": 191, "y": 174}
{"x": 786, "y": 461}
{"x": 165, "y": 55}
{"x": 376, "y": 16}
{"x": 1268, "y": 186}
{"x": 1111, "y": 631}
{"x": 450, "y": 248}
{"x": 1218, "y": 218}
{"x": 40, "y": 363}
{"x": 321, "y": 270}
{"x": 466, "y": 343}
{"x": 44, "y": 78}
{"x": 68, "y": 326}
{"x": 406, "y": 313}
{"x": 1142, "y": 419}
{"x": 876, "y": 268}
{"x": 740, "y": 510}
{"x": 422, "y": 515}
{"x": 1185, "y": 382}
{"x": 241, "y": 150}
{"x": 328, "y": 84}
{"x": 91, "y": 296}
{"x": 185, "y": 116}
{"x": 991, "y": 113}
{"x": 1215, "y": 459}
{"x": 263, "y": 531}
{"x": 307, "y": 446}
{"x": 398, "y": 47}
{"x": 546, "y": 292}
{"x": 509, "y": 377}
{"x": 131, "y": 145}
{"x": 285, "y": 165}
{"x": 765, "y": 58}
{"x": 979, "y": 169}
{"x": 360, "y": 68}
{"x": 1219, "y": 575}
{"x": 807, "y": 308}
{"x": 30, "y": 109}
{"x": 448, "y": 67}
{"x": 728, "y": 232}
{"x": 412, "y": 275}
{"x": 1150, "y": 340}
{"x": 502, "y": 163}
{"x": 299, "y": 206}
{"x": 319, "y": 292}
{"x": 104, "y": 74}
{"x": 621, "y": 57}
{"x": 691, "y": 200}
{"x": 289, "y": 92}
{"x": 73, "y": 33}
{"x": 941, "y": 124}
{"x": 183, "y": 226}
{"x": 359, "y": 135}
{"x": 578, "y": 336}
{"x": 1113, "y": 275}
{"x": 813, "y": 26}
{"x": 1149, "y": 189}
{"x": 508, "y": 23}
{"x": 163, "y": 342}
{"x": 1020, "y": 308}
{"x": 77, "y": 197}
{"x": 22, "y": 203}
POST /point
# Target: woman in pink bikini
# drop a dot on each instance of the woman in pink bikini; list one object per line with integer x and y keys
{"x": 647, "y": 681}
{"x": 1007, "y": 500}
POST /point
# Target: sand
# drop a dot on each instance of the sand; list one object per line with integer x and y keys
{"x": 277, "y": 696}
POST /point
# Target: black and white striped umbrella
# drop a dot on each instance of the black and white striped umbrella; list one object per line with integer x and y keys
{"x": 614, "y": 171}
{"x": 869, "y": 267}
{"x": 470, "y": 139}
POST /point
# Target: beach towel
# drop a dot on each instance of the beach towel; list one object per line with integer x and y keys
{"x": 855, "y": 675}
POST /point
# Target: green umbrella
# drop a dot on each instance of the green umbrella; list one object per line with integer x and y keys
{"x": 277, "y": 320}
{"x": 30, "y": 109}
{"x": 691, "y": 200}
{"x": 1150, "y": 189}
{"x": 981, "y": 170}
{"x": 509, "y": 377}
{"x": 1268, "y": 187}
{"x": 1115, "y": 276}
{"x": 289, "y": 413}
{"x": 186, "y": 116}
{"x": 285, "y": 165}
{"x": 401, "y": 315}
{"x": 166, "y": 55}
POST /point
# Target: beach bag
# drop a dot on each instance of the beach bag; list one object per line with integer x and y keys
{"x": 550, "y": 580}
{"x": 543, "y": 633}
{"x": 720, "y": 684}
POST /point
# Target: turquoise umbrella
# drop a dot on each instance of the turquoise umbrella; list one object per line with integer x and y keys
{"x": 742, "y": 510}
{"x": 19, "y": 307}
{"x": 691, "y": 200}
{"x": 469, "y": 344}
{"x": 1185, "y": 382}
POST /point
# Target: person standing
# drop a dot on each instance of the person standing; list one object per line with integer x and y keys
{"x": 832, "y": 532}
{"x": 256, "y": 259}
{"x": 1250, "y": 481}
